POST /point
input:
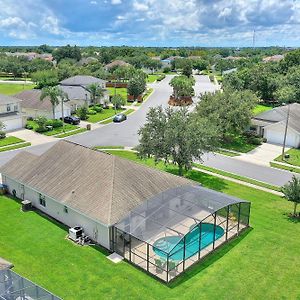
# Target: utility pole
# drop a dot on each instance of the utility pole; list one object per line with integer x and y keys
{"x": 285, "y": 131}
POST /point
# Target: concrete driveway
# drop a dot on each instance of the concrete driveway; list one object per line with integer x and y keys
{"x": 262, "y": 155}
{"x": 31, "y": 136}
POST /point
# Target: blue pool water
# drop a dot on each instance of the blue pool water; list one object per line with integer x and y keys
{"x": 192, "y": 242}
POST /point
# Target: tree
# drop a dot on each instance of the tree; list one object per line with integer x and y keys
{"x": 96, "y": 91}
{"x": 187, "y": 69}
{"x": 45, "y": 78}
{"x": 176, "y": 136}
{"x": 2, "y": 132}
{"x": 118, "y": 101}
{"x": 55, "y": 96}
{"x": 82, "y": 112}
{"x": 286, "y": 94}
{"x": 230, "y": 111}
{"x": 67, "y": 52}
{"x": 182, "y": 86}
{"x": 41, "y": 122}
{"x": 291, "y": 191}
{"x": 136, "y": 86}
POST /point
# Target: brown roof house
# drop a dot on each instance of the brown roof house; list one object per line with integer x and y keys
{"x": 138, "y": 212}
{"x": 33, "y": 107}
{"x": 116, "y": 63}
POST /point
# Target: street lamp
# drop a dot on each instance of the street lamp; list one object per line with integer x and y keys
{"x": 286, "y": 129}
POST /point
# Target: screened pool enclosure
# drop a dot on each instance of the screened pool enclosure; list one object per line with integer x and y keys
{"x": 173, "y": 230}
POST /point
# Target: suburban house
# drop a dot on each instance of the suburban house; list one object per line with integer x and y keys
{"x": 115, "y": 64}
{"x": 10, "y": 112}
{"x": 76, "y": 88}
{"x": 124, "y": 206}
{"x": 33, "y": 107}
{"x": 271, "y": 125}
{"x": 274, "y": 58}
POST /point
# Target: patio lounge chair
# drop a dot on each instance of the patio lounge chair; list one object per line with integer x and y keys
{"x": 159, "y": 265}
{"x": 172, "y": 268}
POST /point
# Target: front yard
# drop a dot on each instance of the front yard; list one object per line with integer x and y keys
{"x": 12, "y": 143}
{"x": 294, "y": 158}
{"x": 54, "y": 131}
{"x": 104, "y": 114}
{"x": 262, "y": 263}
{"x": 240, "y": 143}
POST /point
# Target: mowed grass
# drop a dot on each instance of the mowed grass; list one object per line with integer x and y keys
{"x": 260, "y": 108}
{"x": 10, "y": 140}
{"x": 104, "y": 114}
{"x": 294, "y": 158}
{"x": 11, "y": 88}
{"x": 119, "y": 91}
{"x": 262, "y": 263}
{"x": 239, "y": 144}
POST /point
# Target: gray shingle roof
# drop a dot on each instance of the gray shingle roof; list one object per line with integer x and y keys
{"x": 101, "y": 186}
{"x": 117, "y": 63}
{"x": 31, "y": 99}
{"x": 75, "y": 92}
{"x": 4, "y": 99}
{"x": 83, "y": 80}
{"x": 279, "y": 114}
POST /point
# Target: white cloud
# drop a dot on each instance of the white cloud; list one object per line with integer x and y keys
{"x": 116, "y": 2}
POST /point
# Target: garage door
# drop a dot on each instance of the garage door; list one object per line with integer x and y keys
{"x": 276, "y": 137}
{"x": 13, "y": 124}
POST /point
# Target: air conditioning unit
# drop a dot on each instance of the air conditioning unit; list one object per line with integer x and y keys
{"x": 75, "y": 233}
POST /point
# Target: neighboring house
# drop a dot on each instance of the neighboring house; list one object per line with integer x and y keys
{"x": 115, "y": 64}
{"x": 124, "y": 206}
{"x": 76, "y": 88}
{"x": 33, "y": 107}
{"x": 271, "y": 125}
{"x": 10, "y": 112}
{"x": 274, "y": 58}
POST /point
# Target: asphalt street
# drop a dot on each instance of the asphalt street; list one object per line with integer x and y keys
{"x": 126, "y": 134}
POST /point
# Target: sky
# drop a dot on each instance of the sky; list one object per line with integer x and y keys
{"x": 172, "y": 23}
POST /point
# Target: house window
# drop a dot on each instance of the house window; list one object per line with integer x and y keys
{"x": 8, "y": 107}
{"x": 42, "y": 199}
{"x": 66, "y": 209}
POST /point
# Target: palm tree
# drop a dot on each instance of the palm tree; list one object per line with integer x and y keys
{"x": 291, "y": 191}
{"x": 55, "y": 95}
{"x": 96, "y": 91}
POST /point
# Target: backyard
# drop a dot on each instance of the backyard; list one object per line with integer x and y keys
{"x": 11, "y": 88}
{"x": 119, "y": 91}
{"x": 262, "y": 263}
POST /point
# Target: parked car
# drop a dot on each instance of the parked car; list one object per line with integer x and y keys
{"x": 119, "y": 118}
{"x": 72, "y": 120}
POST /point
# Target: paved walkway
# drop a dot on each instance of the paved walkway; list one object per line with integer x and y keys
{"x": 30, "y": 136}
{"x": 262, "y": 155}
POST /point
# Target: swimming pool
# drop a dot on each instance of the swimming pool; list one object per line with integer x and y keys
{"x": 192, "y": 242}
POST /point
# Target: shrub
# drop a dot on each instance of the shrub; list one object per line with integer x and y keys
{"x": 255, "y": 141}
{"x": 97, "y": 108}
{"x": 42, "y": 123}
{"x": 28, "y": 126}
{"x": 2, "y": 134}
{"x": 57, "y": 123}
{"x": 29, "y": 118}
{"x": 161, "y": 77}
{"x": 91, "y": 112}
{"x": 82, "y": 112}
{"x": 167, "y": 69}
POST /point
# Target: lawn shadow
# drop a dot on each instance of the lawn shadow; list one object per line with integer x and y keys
{"x": 291, "y": 218}
{"x": 209, "y": 259}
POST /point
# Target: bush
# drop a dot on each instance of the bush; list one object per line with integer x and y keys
{"x": 57, "y": 123}
{"x": 255, "y": 141}
{"x": 91, "y": 112}
{"x": 161, "y": 77}
{"x": 28, "y": 126}
{"x": 97, "y": 108}
{"x": 166, "y": 69}
{"x": 41, "y": 129}
{"x": 82, "y": 112}
{"x": 29, "y": 118}
{"x": 2, "y": 134}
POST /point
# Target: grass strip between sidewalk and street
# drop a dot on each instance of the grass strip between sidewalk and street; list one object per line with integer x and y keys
{"x": 80, "y": 130}
{"x": 283, "y": 167}
{"x": 15, "y": 146}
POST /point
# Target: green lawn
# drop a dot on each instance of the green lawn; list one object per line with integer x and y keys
{"x": 11, "y": 88}
{"x": 79, "y": 130}
{"x": 227, "y": 153}
{"x": 294, "y": 157}
{"x": 238, "y": 143}
{"x": 261, "y": 108}
{"x": 54, "y": 131}
{"x": 14, "y": 147}
{"x": 287, "y": 168}
{"x": 262, "y": 263}
{"x": 9, "y": 140}
{"x": 119, "y": 91}
{"x": 108, "y": 147}
{"x": 152, "y": 77}
{"x": 106, "y": 113}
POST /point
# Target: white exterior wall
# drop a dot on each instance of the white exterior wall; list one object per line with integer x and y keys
{"x": 34, "y": 113}
{"x": 275, "y": 134}
{"x": 97, "y": 231}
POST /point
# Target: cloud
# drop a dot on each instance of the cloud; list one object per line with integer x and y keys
{"x": 151, "y": 22}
